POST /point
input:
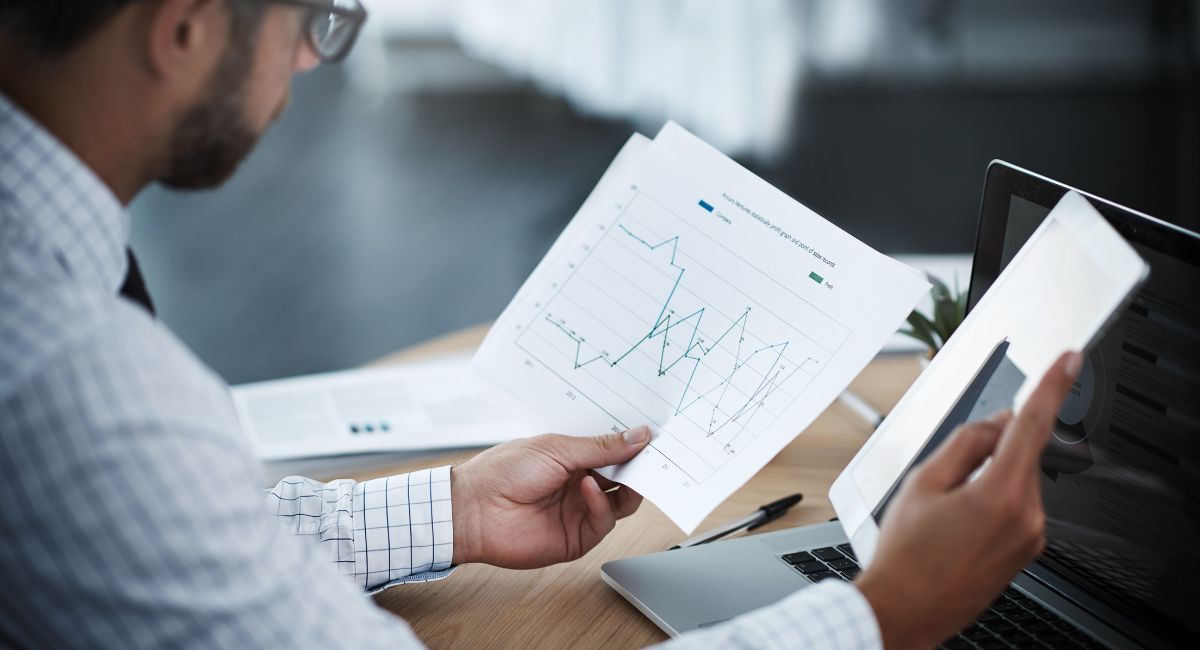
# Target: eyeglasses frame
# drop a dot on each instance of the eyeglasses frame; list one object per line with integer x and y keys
{"x": 357, "y": 15}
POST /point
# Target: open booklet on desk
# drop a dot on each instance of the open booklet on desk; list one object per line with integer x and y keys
{"x": 411, "y": 407}
{"x": 692, "y": 296}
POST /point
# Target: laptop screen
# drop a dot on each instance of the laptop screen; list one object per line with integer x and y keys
{"x": 1121, "y": 474}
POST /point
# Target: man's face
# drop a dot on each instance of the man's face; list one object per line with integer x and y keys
{"x": 246, "y": 93}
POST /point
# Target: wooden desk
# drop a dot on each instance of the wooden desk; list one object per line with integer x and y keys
{"x": 568, "y": 605}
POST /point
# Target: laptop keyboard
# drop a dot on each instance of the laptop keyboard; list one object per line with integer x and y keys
{"x": 828, "y": 562}
{"x": 1013, "y": 621}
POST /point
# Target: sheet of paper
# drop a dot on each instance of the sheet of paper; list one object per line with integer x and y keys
{"x": 430, "y": 405}
{"x": 698, "y": 299}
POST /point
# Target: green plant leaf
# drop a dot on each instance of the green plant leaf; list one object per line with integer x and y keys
{"x": 923, "y": 340}
{"x": 945, "y": 317}
{"x": 921, "y": 322}
{"x": 940, "y": 291}
{"x": 921, "y": 329}
{"x": 949, "y": 308}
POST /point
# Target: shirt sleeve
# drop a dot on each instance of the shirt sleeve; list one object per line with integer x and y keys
{"x": 135, "y": 514}
{"x": 832, "y": 614}
{"x": 382, "y": 532}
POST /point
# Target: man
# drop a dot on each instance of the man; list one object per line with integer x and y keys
{"x": 132, "y": 516}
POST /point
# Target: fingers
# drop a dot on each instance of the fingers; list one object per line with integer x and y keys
{"x": 606, "y": 483}
{"x": 624, "y": 501}
{"x": 601, "y": 451}
{"x": 600, "y": 515}
{"x": 962, "y": 453}
{"x": 1025, "y": 437}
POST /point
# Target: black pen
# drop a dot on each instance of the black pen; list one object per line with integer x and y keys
{"x": 769, "y": 512}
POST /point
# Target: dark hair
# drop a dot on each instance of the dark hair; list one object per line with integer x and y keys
{"x": 49, "y": 28}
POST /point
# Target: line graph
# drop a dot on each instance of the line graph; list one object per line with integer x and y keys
{"x": 695, "y": 351}
{"x": 712, "y": 363}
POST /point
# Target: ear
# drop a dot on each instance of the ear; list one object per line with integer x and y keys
{"x": 185, "y": 37}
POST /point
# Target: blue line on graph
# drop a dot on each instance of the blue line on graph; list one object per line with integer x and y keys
{"x": 705, "y": 204}
{"x": 665, "y": 322}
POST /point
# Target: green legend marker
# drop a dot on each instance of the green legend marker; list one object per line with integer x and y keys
{"x": 816, "y": 278}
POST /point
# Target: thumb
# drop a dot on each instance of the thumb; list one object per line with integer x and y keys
{"x": 602, "y": 451}
{"x": 962, "y": 453}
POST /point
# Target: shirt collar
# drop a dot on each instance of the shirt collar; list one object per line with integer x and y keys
{"x": 49, "y": 193}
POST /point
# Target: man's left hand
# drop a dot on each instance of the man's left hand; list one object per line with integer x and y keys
{"x": 535, "y": 502}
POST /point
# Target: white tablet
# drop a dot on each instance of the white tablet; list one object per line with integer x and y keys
{"x": 1060, "y": 292}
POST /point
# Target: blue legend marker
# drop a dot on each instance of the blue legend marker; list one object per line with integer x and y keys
{"x": 706, "y": 206}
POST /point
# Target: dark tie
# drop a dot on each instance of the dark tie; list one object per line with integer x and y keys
{"x": 135, "y": 287}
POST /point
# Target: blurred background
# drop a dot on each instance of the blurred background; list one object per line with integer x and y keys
{"x": 410, "y": 190}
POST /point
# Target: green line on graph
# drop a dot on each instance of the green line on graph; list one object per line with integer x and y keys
{"x": 695, "y": 351}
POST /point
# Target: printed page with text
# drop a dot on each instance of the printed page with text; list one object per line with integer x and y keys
{"x": 693, "y": 297}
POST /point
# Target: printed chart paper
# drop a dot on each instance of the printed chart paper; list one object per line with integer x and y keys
{"x": 692, "y": 296}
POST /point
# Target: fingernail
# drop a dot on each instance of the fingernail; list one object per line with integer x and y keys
{"x": 637, "y": 435}
{"x": 1074, "y": 364}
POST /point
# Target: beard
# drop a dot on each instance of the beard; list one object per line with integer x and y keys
{"x": 213, "y": 137}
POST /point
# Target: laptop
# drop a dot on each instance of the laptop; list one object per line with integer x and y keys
{"x": 1121, "y": 475}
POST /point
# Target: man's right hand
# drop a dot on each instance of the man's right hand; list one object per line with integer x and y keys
{"x": 948, "y": 546}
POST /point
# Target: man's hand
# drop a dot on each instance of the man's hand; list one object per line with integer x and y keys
{"x": 530, "y": 503}
{"x": 948, "y": 547}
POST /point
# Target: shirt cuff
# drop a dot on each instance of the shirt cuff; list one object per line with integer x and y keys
{"x": 831, "y": 614}
{"x": 403, "y": 529}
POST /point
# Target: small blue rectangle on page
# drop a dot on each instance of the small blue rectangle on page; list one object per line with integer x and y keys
{"x": 706, "y": 206}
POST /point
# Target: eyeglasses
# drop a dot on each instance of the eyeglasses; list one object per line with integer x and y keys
{"x": 332, "y": 26}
